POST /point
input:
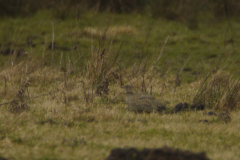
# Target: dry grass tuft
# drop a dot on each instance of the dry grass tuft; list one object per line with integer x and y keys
{"x": 102, "y": 63}
{"x": 16, "y": 107}
{"x": 219, "y": 92}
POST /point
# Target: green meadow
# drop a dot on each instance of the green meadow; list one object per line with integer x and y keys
{"x": 51, "y": 69}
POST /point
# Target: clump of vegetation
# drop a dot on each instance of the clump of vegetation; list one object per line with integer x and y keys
{"x": 102, "y": 60}
{"x": 219, "y": 91}
{"x": 19, "y": 102}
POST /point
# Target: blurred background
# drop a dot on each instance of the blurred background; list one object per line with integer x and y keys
{"x": 188, "y": 10}
{"x": 205, "y": 30}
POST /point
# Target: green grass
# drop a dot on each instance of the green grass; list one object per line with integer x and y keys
{"x": 29, "y": 139}
{"x": 56, "y": 129}
{"x": 206, "y": 42}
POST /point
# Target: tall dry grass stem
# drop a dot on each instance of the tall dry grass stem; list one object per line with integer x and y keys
{"x": 52, "y": 43}
{"x": 5, "y": 84}
{"x": 86, "y": 97}
{"x": 160, "y": 54}
{"x": 44, "y": 50}
{"x": 61, "y": 58}
{"x": 144, "y": 44}
{"x": 178, "y": 81}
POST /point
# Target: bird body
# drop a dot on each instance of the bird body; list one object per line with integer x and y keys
{"x": 142, "y": 102}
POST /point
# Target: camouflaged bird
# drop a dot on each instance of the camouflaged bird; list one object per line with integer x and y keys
{"x": 142, "y": 102}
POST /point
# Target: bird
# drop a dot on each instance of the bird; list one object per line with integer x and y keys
{"x": 142, "y": 102}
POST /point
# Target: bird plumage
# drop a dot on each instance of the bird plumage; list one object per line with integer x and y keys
{"x": 142, "y": 102}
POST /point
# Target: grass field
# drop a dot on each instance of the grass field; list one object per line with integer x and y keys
{"x": 49, "y": 107}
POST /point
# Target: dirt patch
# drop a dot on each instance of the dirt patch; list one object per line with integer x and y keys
{"x": 17, "y": 52}
{"x": 2, "y": 158}
{"x": 186, "y": 107}
{"x": 164, "y": 153}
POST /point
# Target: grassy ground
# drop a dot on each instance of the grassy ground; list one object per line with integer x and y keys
{"x": 65, "y": 120}
{"x": 132, "y": 35}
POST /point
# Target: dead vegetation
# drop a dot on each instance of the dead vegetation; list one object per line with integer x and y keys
{"x": 50, "y": 98}
{"x": 219, "y": 91}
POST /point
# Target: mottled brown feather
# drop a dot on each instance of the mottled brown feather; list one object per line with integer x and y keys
{"x": 142, "y": 102}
